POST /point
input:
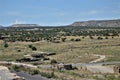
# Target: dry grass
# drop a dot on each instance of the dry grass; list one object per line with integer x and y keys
{"x": 67, "y": 52}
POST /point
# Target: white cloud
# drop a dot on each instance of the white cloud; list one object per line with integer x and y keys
{"x": 19, "y": 22}
{"x": 61, "y": 14}
{"x": 16, "y": 22}
{"x": 91, "y": 12}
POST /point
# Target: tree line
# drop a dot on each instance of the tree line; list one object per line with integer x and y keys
{"x": 54, "y": 34}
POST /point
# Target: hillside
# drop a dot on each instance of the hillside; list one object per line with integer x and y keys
{"x": 98, "y": 23}
{"x": 24, "y": 25}
{"x": 1, "y": 26}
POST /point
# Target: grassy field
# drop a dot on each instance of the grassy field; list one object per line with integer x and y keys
{"x": 68, "y": 51}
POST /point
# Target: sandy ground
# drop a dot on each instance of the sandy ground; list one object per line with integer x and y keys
{"x": 100, "y": 69}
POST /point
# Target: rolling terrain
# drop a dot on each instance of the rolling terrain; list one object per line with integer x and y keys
{"x": 85, "y": 45}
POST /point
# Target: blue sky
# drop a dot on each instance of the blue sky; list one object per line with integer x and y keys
{"x": 57, "y": 12}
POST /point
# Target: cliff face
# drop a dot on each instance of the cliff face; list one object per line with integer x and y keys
{"x": 98, "y": 23}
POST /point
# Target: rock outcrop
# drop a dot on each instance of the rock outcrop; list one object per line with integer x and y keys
{"x": 98, "y": 23}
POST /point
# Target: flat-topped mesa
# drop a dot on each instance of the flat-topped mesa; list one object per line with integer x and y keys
{"x": 25, "y": 25}
{"x": 98, "y": 23}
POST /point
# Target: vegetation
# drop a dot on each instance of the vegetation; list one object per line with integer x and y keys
{"x": 32, "y": 71}
{"x": 71, "y": 45}
{"x": 53, "y": 61}
{"x": 34, "y": 48}
{"x": 5, "y": 45}
{"x": 55, "y": 34}
{"x": 48, "y": 75}
{"x": 68, "y": 42}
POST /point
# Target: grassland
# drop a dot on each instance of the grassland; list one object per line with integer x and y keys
{"x": 68, "y": 51}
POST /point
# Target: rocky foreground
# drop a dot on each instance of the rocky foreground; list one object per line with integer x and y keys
{"x": 5, "y": 74}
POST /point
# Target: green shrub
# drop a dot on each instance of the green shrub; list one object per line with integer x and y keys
{"x": 77, "y": 39}
{"x": 16, "y": 68}
{"x": 5, "y": 45}
{"x": 30, "y": 46}
{"x": 106, "y": 37}
{"x": 53, "y": 61}
{"x": 34, "y": 72}
{"x": 19, "y": 50}
{"x": 99, "y": 38}
{"x": 48, "y": 75}
{"x": 72, "y": 39}
{"x": 34, "y": 48}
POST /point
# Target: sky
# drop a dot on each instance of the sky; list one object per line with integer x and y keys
{"x": 56, "y": 12}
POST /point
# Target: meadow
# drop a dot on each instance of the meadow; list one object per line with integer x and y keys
{"x": 67, "y": 52}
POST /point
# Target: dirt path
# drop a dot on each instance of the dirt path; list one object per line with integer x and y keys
{"x": 19, "y": 64}
{"x": 100, "y": 69}
{"x": 101, "y": 57}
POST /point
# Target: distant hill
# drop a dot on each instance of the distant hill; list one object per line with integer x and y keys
{"x": 98, "y": 23}
{"x": 24, "y": 25}
{"x": 1, "y": 26}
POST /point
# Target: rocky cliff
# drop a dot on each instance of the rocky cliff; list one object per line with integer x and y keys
{"x": 98, "y": 23}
